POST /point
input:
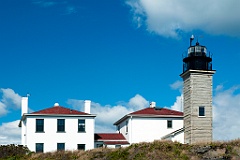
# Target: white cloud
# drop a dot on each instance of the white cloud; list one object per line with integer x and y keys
{"x": 177, "y": 85}
{"x": 171, "y": 18}
{"x": 178, "y": 104}
{"x": 107, "y": 115}
{"x": 226, "y": 109}
{"x": 10, "y": 100}
{"x": 10, "y": 133}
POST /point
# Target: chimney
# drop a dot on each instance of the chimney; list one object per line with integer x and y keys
{"x": 152, "y": 104}
{"x": 87, "y": 106}
{"x": 56, "y": 104}
{"x": 24, "y": 105}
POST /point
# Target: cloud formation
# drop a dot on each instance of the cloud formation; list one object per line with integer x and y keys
{"x": 172, "y": 18}
{"x": 177, "y": 85}
{"x": 10, "y": 133}
{"x": 10, "y": 100}
{"x": 226, "y": 109}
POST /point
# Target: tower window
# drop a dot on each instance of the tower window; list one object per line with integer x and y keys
{"x": 201, "y": 111}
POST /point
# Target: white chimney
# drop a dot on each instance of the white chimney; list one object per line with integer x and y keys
{"x": 24, "y": 105}
{"x": 87, "y": 106}
{"x": 56, "y": 104}
{"x": 152, "y": 104}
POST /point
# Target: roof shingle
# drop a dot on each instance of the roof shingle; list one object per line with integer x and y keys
{"x": 59, "y": 110}
{"x": 157, "y": 111}
{"x": 109, "y": 136}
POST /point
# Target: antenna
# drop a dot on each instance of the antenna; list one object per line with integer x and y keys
{"x": 191, "y": 39}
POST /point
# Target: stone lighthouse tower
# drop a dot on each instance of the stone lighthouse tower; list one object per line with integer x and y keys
{"x": 197, "y": 92}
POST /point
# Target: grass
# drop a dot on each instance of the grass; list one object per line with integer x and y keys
{"x": 165, "y": 150}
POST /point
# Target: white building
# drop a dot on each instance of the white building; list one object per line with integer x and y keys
{"x": 57, "y": 128}
{"x": 151, "y": 124}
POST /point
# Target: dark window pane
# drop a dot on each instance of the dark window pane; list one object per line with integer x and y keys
{"x": 99, "y": 145}
{"x": 61, "y": 125}
{"x": 39, "y": 147}
{"x": 39, "y": 125}
{"x": 169, "y": 124}
{"x": 81, "y": 146}
{"x": 126, "y": 126}
{"x": 60, "y": 146}
{"x": 81, "y": 125}
{"x": 201, "y": 111}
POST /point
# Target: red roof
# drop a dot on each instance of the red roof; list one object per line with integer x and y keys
{"x": 157, "y": 111}
{"x": 59, "y": 110}
{"x": 111, "y": 138}
{"x": 108, "y": 136}
{"x": 152, "y": 112}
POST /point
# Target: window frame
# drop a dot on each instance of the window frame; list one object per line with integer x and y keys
{"x": 41, "y": 145}
{"x": 39, "y": 126}
{"x": 60, "y": 126}
{"x": 82, "y": 145}
{"x": 81, "y": 126}
{"x": 60, "y": 146}
{"x": 169, "y": 124}
{"x": 201, "y": 111}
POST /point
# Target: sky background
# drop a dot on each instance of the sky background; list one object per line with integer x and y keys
{"x": 120, "y": 54}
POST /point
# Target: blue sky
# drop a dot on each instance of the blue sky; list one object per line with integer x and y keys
{"x": 120, "y": 54}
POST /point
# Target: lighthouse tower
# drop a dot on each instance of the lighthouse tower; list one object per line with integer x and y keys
{"x": 197, "y": 92}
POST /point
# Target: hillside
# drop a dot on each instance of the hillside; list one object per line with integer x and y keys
{"x": 143, "y": 151}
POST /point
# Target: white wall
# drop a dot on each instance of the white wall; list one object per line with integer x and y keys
{"x": 50, "y": 137}
{"x": 143, "y": 129}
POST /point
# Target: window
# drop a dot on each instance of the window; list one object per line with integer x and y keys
{"x": 118, "y": 128}
{"x": 39, "y": 125}
{"x": 201, "y": 111}
{"x": 169, "y": 124}
{"x": 39, "y": 147}
{"x": 81, "y": 125}
{"x": 60, "y": 146}
{"x": 81, "y": 147}
{"x": 61, "y": 125}
{"x": 118, "y": 146}
{"x": 99, "y": 145}
{"x": 126, "y": 126}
